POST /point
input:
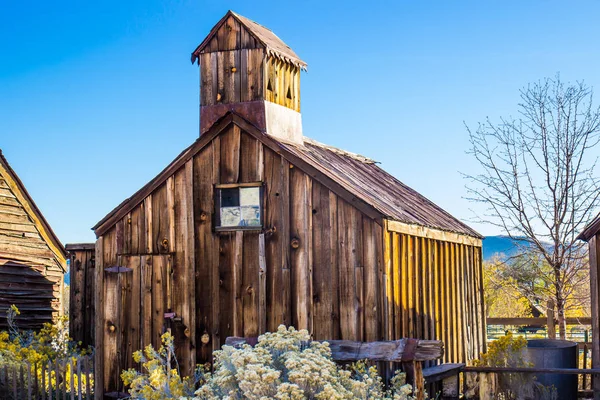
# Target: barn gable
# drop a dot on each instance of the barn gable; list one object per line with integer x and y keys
{"x": 235, "y": 31}
{"x": 32, "y": 259}
{"x": 357, "y": 179}
{"x": 24, "y": 233}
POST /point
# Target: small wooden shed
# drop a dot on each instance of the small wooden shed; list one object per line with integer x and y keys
{"x": 255, "y": 225}
{"x": 32, "y": 259}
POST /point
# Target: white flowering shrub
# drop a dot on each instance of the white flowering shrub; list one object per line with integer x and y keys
{"x": 286, "y": 365}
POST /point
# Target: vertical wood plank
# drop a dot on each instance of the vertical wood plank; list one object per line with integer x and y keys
{"x": 146, "y": 286}
{"x": 323, "y": 277}
{"x": 262, "y": 288}
{"x": 206, "y": 281}
{"x": 237, "y": 270}
{"x": 371, "y": 273}
{"x": 595, "y": 303}
{"x": 148, "y": 224}
{"x": 230, "y": 155}
{"x": 183, "y": 276}
{"x": 250, "y": 273}
{"x": 160, "y": 268}
{"x": 300, "y": 232}
{"x": 388, "y": 295}
{"x": 397, "y": 250}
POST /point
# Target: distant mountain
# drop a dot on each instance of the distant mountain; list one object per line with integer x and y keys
{"x": 502, "y": 246}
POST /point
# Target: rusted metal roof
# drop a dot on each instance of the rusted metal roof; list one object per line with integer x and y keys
{"x": 367, "y": 181}
{"x": 273, "y": 45}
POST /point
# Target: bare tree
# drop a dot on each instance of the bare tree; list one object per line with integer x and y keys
{"x": 538, "y": 180}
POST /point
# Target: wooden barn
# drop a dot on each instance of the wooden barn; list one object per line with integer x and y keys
{"x": 255, "y": 225}
{"x": 32, "y": 259}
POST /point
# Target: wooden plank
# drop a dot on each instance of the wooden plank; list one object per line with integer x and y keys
{"x": 301, "y": 247}
{"x": 348, "y": 350}
{"x": 323, "y": 275}
{"x": 410, "y": 278}
{"x": 397, "y": 250}
{"x": 255, "y": 74}
{"x": 243, "y": 72}
{"x": 221, "y": 96}
{"x": 148, "y": 225}
{"x": 431, "y": 233}
{"x": 250, "y": 284}
{"x": 160, "y": 221}
{"x": 237, "y": 282}
{"x": 594, "y": 260}
{"x": 262, "y": 285}
{"x": 160, "y": 275}
{"x": 145, "y": 294}
{"x": 250, "y": 166}
{"x": 111, "y": 329}
{"x": 130, "y": 321}
{"x": 227, "y": 290}
{"x": 183, "y": 269}
{"x": 371, "y": 289}
{"x": 230, "y": 155}
{"x": 207, "y": 97}
{"x": 206, "y": 255}
{"x": 350, "y": 254}
{"x": 388, "y": 288}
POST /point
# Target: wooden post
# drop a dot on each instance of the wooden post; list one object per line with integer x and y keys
{"x": 550, "y": 316}
{"x": 487, "y": 386}
{"x": 594, "y": 287}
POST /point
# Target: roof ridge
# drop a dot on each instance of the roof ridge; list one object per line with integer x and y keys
{"x": 356, "y": 156}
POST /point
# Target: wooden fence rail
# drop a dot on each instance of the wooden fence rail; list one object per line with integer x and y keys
{"x": 66, "y": 379}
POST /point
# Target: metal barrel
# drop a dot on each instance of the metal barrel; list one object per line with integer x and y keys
{"x": 550, "y": 353}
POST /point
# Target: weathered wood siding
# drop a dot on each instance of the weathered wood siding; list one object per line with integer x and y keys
{"x": 81, "y": 293}
{"x": 322, "y": 262}
{"x": 30, "y": 275}
{"x": 234, "y": 68}
{"x": 231, "y": 67}
{"x": 328, "y": 268}
{"x": 435, "y": 291}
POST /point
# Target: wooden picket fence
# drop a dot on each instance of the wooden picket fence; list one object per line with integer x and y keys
{"x": 67, "y": 379}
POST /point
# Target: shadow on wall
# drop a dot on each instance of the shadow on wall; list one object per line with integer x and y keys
{"x": 34, "y": 294}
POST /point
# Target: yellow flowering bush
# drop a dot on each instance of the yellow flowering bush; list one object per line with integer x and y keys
{"x": 49, "y": 344}
{"x": 159, "y": 379}
{"x": 509, "y": 351}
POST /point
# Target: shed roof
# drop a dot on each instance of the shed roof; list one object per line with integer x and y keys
{"x": 591, "y": 229}
{"x": 271, "y": 42}
{"x": 366, "y": 180}
{"x": 25, "y": 204}
{"x": 358, "y": 176}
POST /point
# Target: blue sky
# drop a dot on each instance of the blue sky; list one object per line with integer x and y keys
{"x": 97, "y": 97}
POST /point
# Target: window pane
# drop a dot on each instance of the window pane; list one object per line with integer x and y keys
{"x": 230, "y": 197}
{"x": 250, "y": 196}
{"x": 250, "y": 216}
{"x": 230, "y": 216}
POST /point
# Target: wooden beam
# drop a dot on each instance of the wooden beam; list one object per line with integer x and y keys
{"x": 432, "y": 233}
{"x": 392, "y": 351}
{"x": 535, "y": 321}
{"x": 595, "y": 300}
